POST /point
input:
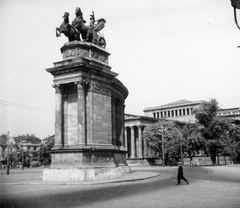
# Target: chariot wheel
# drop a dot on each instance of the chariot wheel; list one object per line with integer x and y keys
{"x": 101, "y": 42}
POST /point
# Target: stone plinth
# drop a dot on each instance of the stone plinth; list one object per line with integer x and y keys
{"x": 85, "y": 174}
{"x": 89, "y": 119}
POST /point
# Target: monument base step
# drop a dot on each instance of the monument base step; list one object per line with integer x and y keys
{"x": 85, "y": 174}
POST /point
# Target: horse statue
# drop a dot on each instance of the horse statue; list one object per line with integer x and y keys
{"x": 88, "y": 33}
{"x": 67, "y": 29}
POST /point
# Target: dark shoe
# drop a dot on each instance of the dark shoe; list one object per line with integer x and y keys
{"x": 187, "y": 183}
{"x": 178, "y": 184}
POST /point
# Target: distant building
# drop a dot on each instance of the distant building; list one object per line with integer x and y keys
{"x": 13, "y": 145}
{"x": 179, "y": 111}
{"x": 233, "y": 113}
{"x": 28, "y": 142}
{"x": 182, "y": 111}
{"x": 137, "y": 149}
{"x": 3, "y": 145}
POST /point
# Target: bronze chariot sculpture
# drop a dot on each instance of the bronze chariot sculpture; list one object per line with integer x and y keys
{"x": 79, "y": 31}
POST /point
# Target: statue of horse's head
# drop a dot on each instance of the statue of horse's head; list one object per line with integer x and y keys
{"x": 65, "y": 17}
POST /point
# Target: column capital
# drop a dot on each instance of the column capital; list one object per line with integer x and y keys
{"x": 57, "y": 87}
{"x": 81, "y": 83}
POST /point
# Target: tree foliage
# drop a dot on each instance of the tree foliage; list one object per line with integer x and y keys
{"x": 206, "y": 112}
{"x": 171, "y": 133}
{"x": 193, "y": 141}
{"x": 43, "y": 153}
{"x": 211, "y": 134}
{"x": 220, "y": 133}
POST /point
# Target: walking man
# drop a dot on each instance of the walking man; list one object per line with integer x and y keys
{"x": 180, "y": 174}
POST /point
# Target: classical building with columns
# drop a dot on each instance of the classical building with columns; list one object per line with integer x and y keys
{"x": 182, "y": 111}
{"x": 179, "y": 111}
{"x": 137, "y": 149}
{"x": 233, "y": 113}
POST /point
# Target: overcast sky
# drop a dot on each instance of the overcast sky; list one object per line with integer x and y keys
{"x": 163, "y": 51}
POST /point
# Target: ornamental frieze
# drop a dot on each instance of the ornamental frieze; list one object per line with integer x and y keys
{"x": 79, "y": 52}
{"x": 99, "y": 56}
{"x": 76, "y": 52}
{"x": 100, "y": 88}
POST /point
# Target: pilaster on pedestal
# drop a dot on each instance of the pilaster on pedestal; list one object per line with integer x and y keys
{"x": 81, "y": 111}
{"x": 58, "y": 116}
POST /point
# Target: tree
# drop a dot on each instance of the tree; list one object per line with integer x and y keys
{"x": 206, "y": 112}
{"x": 43, "y": 153}
{"x": 171, "y": 133}
{"x": 219, "y": 133}
{"x": 231, "y": 141}
{"x": 193, "y": 141}
{"x": 237, "y": 144}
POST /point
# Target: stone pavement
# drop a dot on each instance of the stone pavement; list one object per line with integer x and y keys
{"x": 210, "y": 187}
{"x": 36, "y": 179}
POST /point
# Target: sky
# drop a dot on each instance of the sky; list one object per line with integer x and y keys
{"x": 163, "y": 51}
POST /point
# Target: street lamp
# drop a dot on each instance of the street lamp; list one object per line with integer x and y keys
{"x": 8, "y": 168}
{"x": 22, "y": 155}
{"x": 163, "y": 155}
{"x": 236, "y": 5}
{"x": 181, "y": 151}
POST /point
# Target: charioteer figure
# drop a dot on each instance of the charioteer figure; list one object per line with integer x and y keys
{"x": 78, "y": 31}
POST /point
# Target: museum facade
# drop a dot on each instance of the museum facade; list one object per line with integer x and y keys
{"x": 137, "y": 149}
{"x": 182, "y": 110}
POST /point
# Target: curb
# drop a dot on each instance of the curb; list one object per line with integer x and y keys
{"x": 147, "y": 175}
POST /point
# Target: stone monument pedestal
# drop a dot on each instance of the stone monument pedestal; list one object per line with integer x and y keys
{"x": 89, "y": 117}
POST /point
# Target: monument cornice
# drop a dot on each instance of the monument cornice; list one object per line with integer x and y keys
{"x": 85, "y": 149}
{"x": 79, "y": 64}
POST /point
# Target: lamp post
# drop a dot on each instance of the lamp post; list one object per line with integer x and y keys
{"x": 22, "y": 156}
{"x": 21, "y": 144}
{"x": 236, "y": 5}
{"x": 163, "y": 155}
{"x": 8, "y": 168}
{"x": 181, "y": 151}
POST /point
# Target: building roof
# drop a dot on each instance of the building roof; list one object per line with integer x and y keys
{"x": 137, "y": 117}
{"x": 233, "y": 113}
{"x": 178, "y": 103}
{"x": 27, "y": 139}
{"x": 236, "y": 109}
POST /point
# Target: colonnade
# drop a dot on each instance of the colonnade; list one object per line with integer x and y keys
{"x": 135, "y": 145}
{"x": 173, "y": 113}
